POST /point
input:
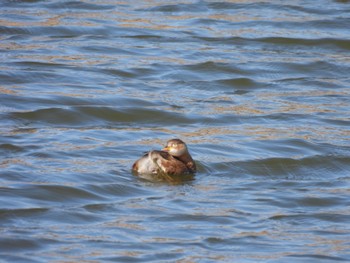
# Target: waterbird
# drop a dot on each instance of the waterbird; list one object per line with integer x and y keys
{"x": 173, "y": 159}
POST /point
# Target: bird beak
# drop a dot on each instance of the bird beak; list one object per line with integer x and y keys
{"x": 166, "y": 149}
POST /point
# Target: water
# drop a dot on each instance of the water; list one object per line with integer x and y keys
{"x": 258, "y": 90}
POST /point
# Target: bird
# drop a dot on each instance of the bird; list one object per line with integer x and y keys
{"x": 173, "y": 160}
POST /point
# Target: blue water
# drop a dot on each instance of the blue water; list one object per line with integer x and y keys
{"x": 259, "y": 91}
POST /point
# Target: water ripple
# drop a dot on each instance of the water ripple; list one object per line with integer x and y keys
{"x": 258, "y": 90}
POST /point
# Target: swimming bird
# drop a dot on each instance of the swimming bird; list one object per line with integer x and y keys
{"x": 173, "y": 159}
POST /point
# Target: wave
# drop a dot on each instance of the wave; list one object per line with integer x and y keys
{"x": 85, "y": 115}
{"x": 311, "y": 167}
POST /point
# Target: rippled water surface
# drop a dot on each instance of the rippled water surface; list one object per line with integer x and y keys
{"x": 259, "y": 90}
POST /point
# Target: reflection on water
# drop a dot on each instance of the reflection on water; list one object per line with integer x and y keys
{"x": 258, "y": 90}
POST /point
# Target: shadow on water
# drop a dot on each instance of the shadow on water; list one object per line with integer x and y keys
{"x": 167, "y": 179}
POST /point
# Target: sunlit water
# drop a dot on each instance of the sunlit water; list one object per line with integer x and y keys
{"x": 258, "y": 90}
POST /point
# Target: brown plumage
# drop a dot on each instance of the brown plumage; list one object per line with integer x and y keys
{"x": 174, "y": 159}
